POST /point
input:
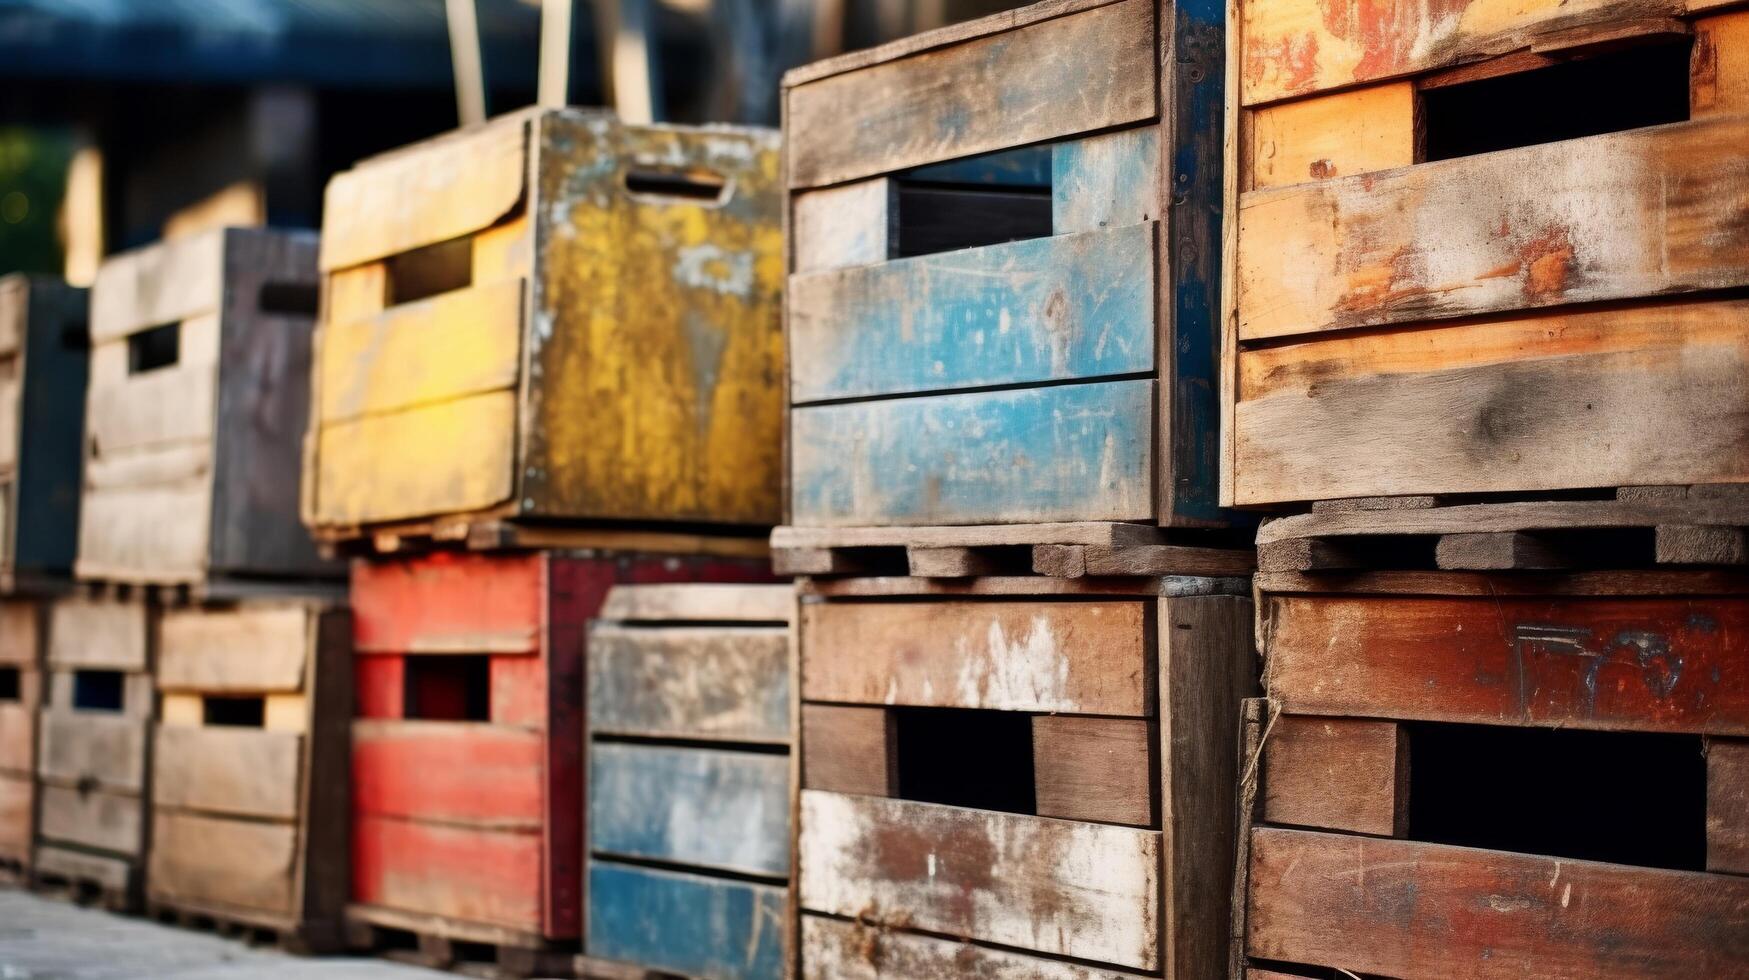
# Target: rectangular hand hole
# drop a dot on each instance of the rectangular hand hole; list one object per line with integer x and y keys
{"x": 154, "y": 348}
{"x": 287, "y": 298}
{"x": 99, "y": 690}
{"x": 11, "y": 684}
{"x": 983, "y": 200}
{"x": 428, "y": 271}
{"x": 694, "y": 184}
{"x": 247, "y": 711}
{"x": 449, "y": 687}
{"x": 966, "y": 757}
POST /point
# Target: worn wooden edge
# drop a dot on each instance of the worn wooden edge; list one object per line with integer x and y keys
{"x": 1171, "y": 586}
{"x": 1554, "y": 515}
{"x": 490, "y": 531}
{"x": 1106, "y": 533}
{"x": 1649, "y": 582}
{"x": 699, "y": 602}
{"x": 422, "y": 924}
{"x": 1227, "y": 365}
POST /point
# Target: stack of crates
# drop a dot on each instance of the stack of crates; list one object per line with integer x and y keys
{"x": 1485, "y": 326}
{"x": 1024, "y": 634}
{"x": 547, "y": 365}
{"x": 42, "y": 411}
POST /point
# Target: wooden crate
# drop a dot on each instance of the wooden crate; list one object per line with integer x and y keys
{"x": 249, "y": 771}
{"x": 1043, "y": 768}
{"x": 186, "y": 334}
{"x": 467, "y": 779}
{"x": 94, "y": 748}
{"x": 552, "y": 317}
{"x": 42, "y": 420}
{"x": 1002, "y": 241}
{"x": 21, "y": 673}
{"x": 1469, "y": 775}
{"x": 1424, "y": 295}
{"x": 687, "y": 817}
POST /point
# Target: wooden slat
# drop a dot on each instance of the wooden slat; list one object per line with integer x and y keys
{"x": 850, "y": 749}
{"x": 177, "y": 465}
{"x": 1044, "y": 309}
{"x": 839, "y": 227}
{"x": 169, "y": 405}
{"x": 1095, "y": 769}
{"x": 451, "y": 345}
{"x": 690, "y": 682}
{"x": 437, "y": 459}
{"x": 1085, "y": 890}
{"x": 836, "y": 950}
{"x": 99, "y": 819}
{"x": 1100, "y": 533}
{"x": 17, "y": 817}
{"x": 1653, "y": 664}
{"x": 455, "y": 773}
{"x": 1727, "y": 806}
{"x": 17, "y": 737}
{"x": 1106, "y": 181}
{"x": 1597, "y": 398}
{"x": 701, "y": 602}
{"x": 1678, "y": 544}
{"x": 1084, "y": 71}
{"x": 1338, "y": 774}
{"x": 1338, "y": 135}
{"x": 1638, "y": 213}
{"x": 425, "y": 194}
{"x": 1339, "y": 900}
{"x": 148, "y": 534}
{"x": 238, "y": 771}
{"x": 481, "y": 876}
{"x": 1719, "y": 66}
{"x": 254, "y": 649}
{"x": 686, "y": 924}
{"x": 21, "y": 631}
{"x": 446, "y": 602}
{"x": 81, "y": 746}
{"x": 1079, "y": 657}
{"x": 703, "y": 807}
{"x": 157, "y": 284}
{"x": 212, "y": 862}
{"x": 1081, "y": 452}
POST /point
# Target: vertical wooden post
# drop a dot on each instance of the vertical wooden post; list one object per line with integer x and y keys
{"x": 464, "y": 49}
{"x": 631, "y": 73}
{"x": 555, "y": 52}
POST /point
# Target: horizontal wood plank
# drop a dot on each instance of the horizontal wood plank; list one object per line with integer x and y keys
{"x": 211, "y": 862}
{"x": 1727, "y": 806}
{"x": 21, "y": 631}
{"x": 1095, "y": 769}
{"x": 839, "y": 227}
{"x": 17, "y": 817}
{"x": 700, "y": 602}
{"x": 1081, "y": 452}
{"x": 459, "y": 773}
{"x": 148, "y": 534}
{"x": 449, "y": 603}
{"x": 157, "y": 284}
{"x": 109, "y": 871}
{"x": 87, "y": 747}
{"x": 158, "y": 409}
{"x": 1044, "y": 309}
{"x": 1106, "y": 181}
{"x": 1064, "y": 887}
{"x": 224, "y": 770}
{"x": 97, "y": 819}
{"x": 250, "y": 648}
{"x": 1337, "y": 773}
{"x": 491, "y": 877}
{"x": 1079, "y": 657}
{"x": 17, "y": 737}
{"x": 850, "y": 749}
{"x": 713, "y": 682}
{"x": 704, "y": 807}
{"x": 686, "y": 924}
{"x": 833, "y": 949}
{"x": 450, "y": 457}
{"x": 1337, "y": 135}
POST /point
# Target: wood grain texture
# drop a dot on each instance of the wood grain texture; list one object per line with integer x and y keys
{"x": 1083, "y": 71}
{"x": 1339, "y": 135}
{"x": 1057, "y": 886}
{"x": 1081, "y": 452}
{"x": 849, "y": 749}
{"x": 1417, "y": 910}
{"x": 1639, "y": 213}
{"x": 449, "y": 772}
{"x": 1099, "y": 769}
{"x": 1080, "y": 657}
{"x": 1719, "y": 65}
{"x": 840, "y": 227}
{"x": 475, "y": 875}
{"x": 1106, "y": 181}
{"x": 1337, "y": 774}
{"x": 233, "y": 771}
{"x": 1727, "y": 806}
{"x": 709, "y": 682}
{"x": 449, "y": 603}
{"x": 1639, "y": 663}
{"x": 1043, "y": 309}
{"x": 254, "y": 649}
{"x": 707, "y": 808}
{"x": 686, "y": 924}
{"x": 836, "y": 950}
{"x": 17, "y": 737}
{"x": 449, "y": 457}
{"x": 214, "y": 862}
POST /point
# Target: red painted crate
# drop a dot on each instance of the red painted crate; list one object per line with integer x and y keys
{"x": 466, "y": 760}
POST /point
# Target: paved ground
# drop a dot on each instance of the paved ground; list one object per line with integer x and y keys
{"x": 41, "y": 939}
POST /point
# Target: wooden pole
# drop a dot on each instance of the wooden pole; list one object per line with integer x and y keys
{"x": 555, "y": 52}
{"x": 631, "y": 75}
{"x": 464, "y": 49}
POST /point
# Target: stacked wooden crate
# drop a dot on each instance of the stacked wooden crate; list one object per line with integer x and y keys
{"x": 42, "y": 411}
{"x": 1484, "y": 314}
{"x": 1016, "y": 753}
{"x": 688, "y": 824}
{"x": 547, "y": 365}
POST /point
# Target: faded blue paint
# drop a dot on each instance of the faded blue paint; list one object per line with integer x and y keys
{"x": 1059, "y": 453}
{"x": 1026, "y": 166}
{"x": 686, "y": 924}
{"x": 1045, "y": 309}
{"x": 1106, "y": 181}
{"x": 713, "y": 808}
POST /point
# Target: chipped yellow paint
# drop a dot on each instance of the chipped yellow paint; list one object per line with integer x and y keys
{"x": 447, "y": 458}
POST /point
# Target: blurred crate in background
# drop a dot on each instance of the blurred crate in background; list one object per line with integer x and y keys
{"x": 22, "y": 628}
{"x": 43, "y": 362}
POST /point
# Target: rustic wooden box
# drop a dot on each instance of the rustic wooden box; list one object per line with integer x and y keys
{"x": 42, "y": 420}
{"x": 94, "y": 747}
{"x": 199, "y": 392}
{"x": 249, "y": 767}
{"x": 555, "y": 317}
{"x": 1043, "y": 768}
{"x": 1407, "y": 254}
{"x": 21, "y": 672}
{"x": 467, "y": 754}
{"x": 1501, "y": 776}
{"x": 688, "y": 804}
{"x": 1002, "y": 240}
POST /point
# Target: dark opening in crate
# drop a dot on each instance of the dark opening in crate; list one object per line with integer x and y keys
{"x": 449, "y": 687}
{"x": 691, "y": 184}
{"x": 981, "y": 200}
{"x": 99, "y": 690}
{"x": 1622, "y": 797}
{"x": 154, "y": 348}
{"x": 10, "y": 681}
{"x": 428, "y": 271}
{"x": 966, "y": 757}
{"x": 291, "y": 298}
{"x": 244, "y": 711}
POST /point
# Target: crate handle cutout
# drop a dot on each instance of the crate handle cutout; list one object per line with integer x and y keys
{"x": 448, "y": 687}
{"x": 99, "y": 690}
{"x": 234, "y": 711}
{"x": 11, "y": 688}
{"x": 966, "y": 757}
{"x": 1560, "y": 98}
{"x": 287, "y": 298}
{"x": 154, "y": 348}
{"x": 429, "y": 271}
{"x": 988, "y": 199}
{"x": 694, "y": 185}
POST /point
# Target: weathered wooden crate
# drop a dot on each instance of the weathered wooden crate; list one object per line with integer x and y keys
{"x": 249, "y": 771}
{"x": 467, "y": 751}
{"x": 199, "y": 393}
{"x": 1003, "y": 239}
{"x": 690, "y": 770}
{"x": 21, "y": 673}
{"x": 552, "y": 317}
{"x": 94, "y": 748}
{"x": 42, "y": 420}
{"x": 1042, "y": 768}
{"x": 1483, "y": 248}
{"x": 1470, "y": 775}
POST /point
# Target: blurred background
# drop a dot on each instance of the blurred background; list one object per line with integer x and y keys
{"x": 125, "y": 121}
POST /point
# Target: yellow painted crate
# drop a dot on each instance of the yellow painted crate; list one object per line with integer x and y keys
{"x": 550, "y": 317}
